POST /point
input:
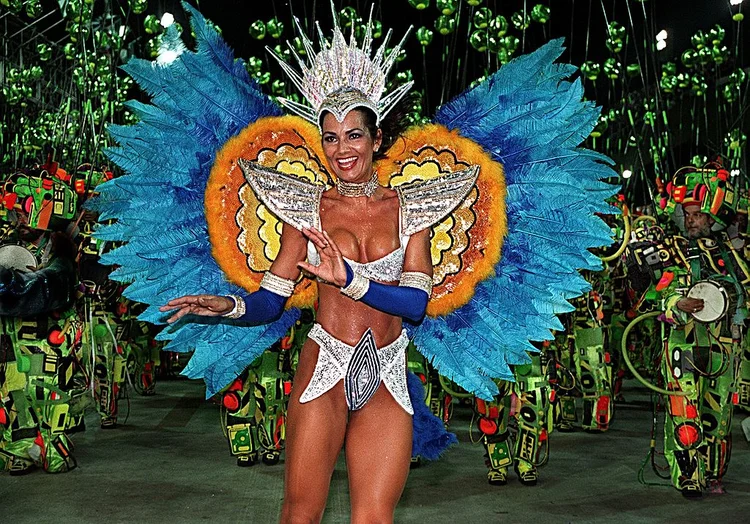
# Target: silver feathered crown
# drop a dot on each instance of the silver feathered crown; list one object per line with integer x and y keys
{"x": 342, "y": 76}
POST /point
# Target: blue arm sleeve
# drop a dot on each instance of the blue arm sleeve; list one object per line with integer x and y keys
{"x": 407, "y": 302}
{"x": 262, "y": 307}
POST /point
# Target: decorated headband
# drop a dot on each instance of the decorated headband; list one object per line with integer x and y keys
{"x": 708, "y": 187}
{"x": 341, "y": 76}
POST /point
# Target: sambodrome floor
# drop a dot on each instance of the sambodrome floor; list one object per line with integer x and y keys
{"x": 169, "y": 463}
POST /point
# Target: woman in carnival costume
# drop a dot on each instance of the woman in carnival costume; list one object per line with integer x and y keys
{"x": 293, "y": 210}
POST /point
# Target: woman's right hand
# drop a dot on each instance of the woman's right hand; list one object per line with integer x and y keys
{"x": 204, "y": 305}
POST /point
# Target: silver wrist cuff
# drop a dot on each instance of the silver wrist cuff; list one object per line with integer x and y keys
{"x": 275, "y": 284}
{"x": 357, "y": 287}
{"x": 239, "y": 307}
{"x": 416, "y": 280}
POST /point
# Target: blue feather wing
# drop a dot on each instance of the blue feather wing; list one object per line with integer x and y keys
{"x": 199, "y": 101}
{"x": 531, "y": 118}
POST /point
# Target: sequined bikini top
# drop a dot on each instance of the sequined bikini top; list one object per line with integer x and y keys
{"x": 423, "y": 204}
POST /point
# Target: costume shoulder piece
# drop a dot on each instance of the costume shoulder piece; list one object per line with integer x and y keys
{"x": 293, "y": 199}
{"x": 424, "y": 204}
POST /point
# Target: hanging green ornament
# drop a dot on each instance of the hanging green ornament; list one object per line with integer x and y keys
{"x": 738, "y": 77}
{"x": 669, "y": 68}
{"x": 45, "y": 53}
{"x": 33, "y": 8}
{"x": 600, "y": 127}
{"x": 151, "y": 24}
{"x": 69, "y": 50}
{"x": 511, "y": 43}
{"x": 263, "y": 78}
{"x": 275, "y": 28}
{"x": 138, "y": 6}
{"x": 704, "y": 55}
{"x": 698, "y": 85}
{"x": 152, "y": 46}
{"x": 616, "y": 31}
{"x": 613, "y": 115}
{"x": 503, "y": 56}
{"x": 253, "y": 65}
{"x": 446, "y": 7}
{"x": 698, "y": 40}
{"x": 377, "y": 28}
{"x": 612, "y": 68}
{"x": 498, "y": 26}
{"x": 632, "y": 70}
{"x": 668, "y": 83}
{"x": 474, "y": 3}
{"x": 540, "y": 13}
{"x": 738, "y": 17}
{"x": 716, "y": 35}
{"x": 649, "y": 118}
{"x": 482, "y": 18}
{"x": 35, "y": 73}
{"x": 731, "y": 92}
{"x": 347, "y": 16}
{"x": 478, "y": 40}
{"x": 278, "y": 87}
{"x": 282, "y": 52}
{"x": 683, "y": 81}
{"x": 520, "y": 21}
{"x": 299, "y": 46}
{"x": 79, "y": 77}
{"x": 257, "y": 30}
{"x": 402, "y": 77}
{"x": 424, "y": 36}
{"x": 445, "y": 25}
{"x": 615, "y": 45}
{"x": 720, "y": 54}
{"x": 15, "y": 6}
{"x": 689, "y": 58}
{"x": 495, "y": 44}
{"x": 419, "y": 4}
{"x": 590, "y": 70}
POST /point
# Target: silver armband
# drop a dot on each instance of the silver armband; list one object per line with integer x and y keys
{"x": 239, "y": 307}
{"x": 416, "y": 280}
{"x": 278, "y": 285}
{"x": 357, "y": 287}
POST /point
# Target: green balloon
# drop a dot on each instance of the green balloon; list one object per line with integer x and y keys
{"x": 668, "y": 83}
{"x": 263, "y": 78}
{"x": 511, "y": 43}
{"x": 138, "y": 6}
{"x": 614, "y": 44}
{"x": 403, "y": 77}
{"x": 498, "y": 26}
{"x": 720, "y": 54}
{"x": 520, "y": 21}
{"x": 257, "y": 30}
{"x": 632, "y": 70}
{"x": 478, "y": 40}
{"x": 704, "y": 55}
{"x": 282, "y": 52}
{"x": 689, "y": 58}
{"x": 151, "y": 24}
{"x": 419, "y": 4}
{"x": 669, "y": 68}
{"x": 716, "y": 35}
{"x": 738, "y": 77}
{"x": 540, "y": 13}
{"x": 347, "y": 16}
{"x": 698, "y": 40}
{"x": 591, "y": 70}
{"x": 69, "y": 50}
{"x": 649, "y": 118}
{"x": 445, "y": 25}
{"x": 275, "y": 28}
{"x": 612, "y": 68}
{"x": 731, "y": 92}
{"x": 45, "y": 53}
{"x": 503, "y": 56}
{"x": 683, "y": 81}
{"x": 446, "y": 7}
{"x": 33, "y": 8}
{"x": 424, "y": 36}
{"x": 253, "y": 65}
{"x": 698, "y": 85}
{"x": 474, "y": 3}
{"x": 299, "y": 46}
{"x": 482, "y": 18}
{"x": 35, "y": 72}
{"x": 616, "y": 31}
{"x": 738, "y": 17}
{"x": 376, "y": 28}
{"x": 495, "y": 44}
{"x": 278, "y": 87}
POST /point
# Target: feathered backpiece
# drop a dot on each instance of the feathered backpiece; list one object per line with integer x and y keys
{"x": 200, "y": 99}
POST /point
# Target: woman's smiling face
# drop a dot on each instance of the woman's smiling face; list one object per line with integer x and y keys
{"x": 349, "y": 147}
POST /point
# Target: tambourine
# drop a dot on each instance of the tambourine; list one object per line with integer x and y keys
{"x": 716, "y": 300}
{"x": 13, "y": 256}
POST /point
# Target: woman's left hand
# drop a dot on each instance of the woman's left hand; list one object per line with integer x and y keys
{"x": 331, "y": 268}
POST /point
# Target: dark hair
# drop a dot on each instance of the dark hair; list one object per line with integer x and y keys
{"x": 392, "y": 125}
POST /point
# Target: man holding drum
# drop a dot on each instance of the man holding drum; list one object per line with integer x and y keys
{"x": 704, "y": 300}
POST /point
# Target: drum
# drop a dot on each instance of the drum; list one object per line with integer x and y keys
{"x": 717, "y": 300}
{"x": 13, "y": 256}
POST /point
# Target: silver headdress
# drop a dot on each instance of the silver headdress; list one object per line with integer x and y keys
{"x": 342, "y": 76}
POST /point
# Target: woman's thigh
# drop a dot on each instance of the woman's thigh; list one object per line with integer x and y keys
{"x": 314, "y": 437}
{"x": 378, "y": 454}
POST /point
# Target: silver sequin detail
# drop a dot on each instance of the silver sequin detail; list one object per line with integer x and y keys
{"x": 276, "y": 284}
{"x": 416, "y": 280}
{"x": 384, "y": 269}
{"x": 292, "y": 199}
{"x": 424, "y": 204}
{"x": 239, "y": 308}
{"x": 357, "y": 288}
{"x": 333, "y": 361}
